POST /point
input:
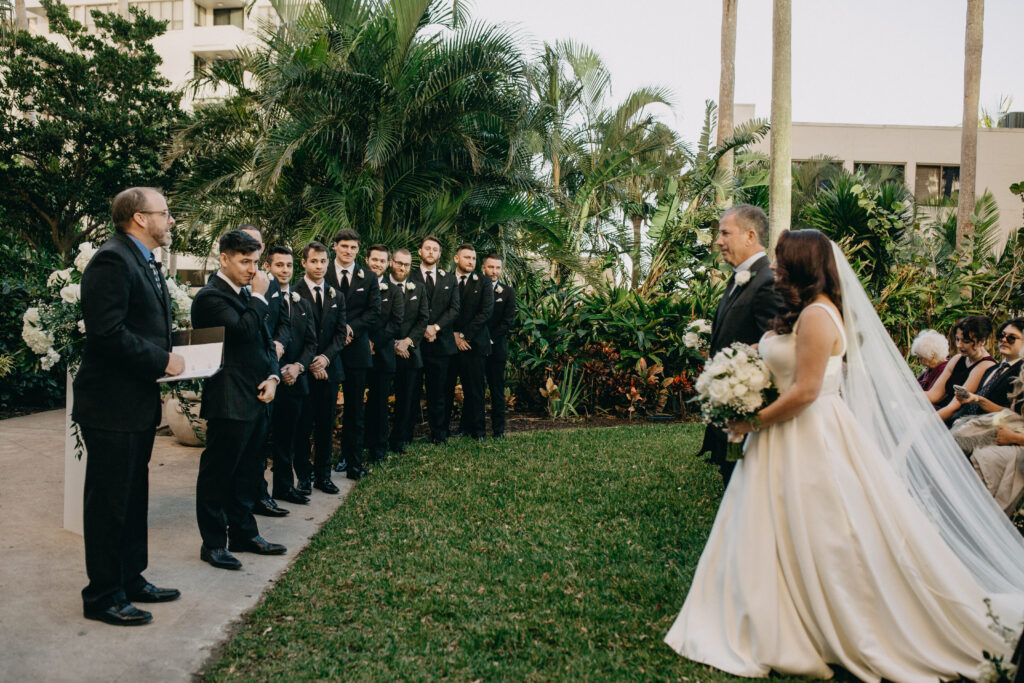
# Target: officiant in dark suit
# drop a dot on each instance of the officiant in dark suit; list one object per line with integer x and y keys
{"x": 749, "y": 304}
{"x": 127, "y": 315}
{"x": 234, "y": 404}
{"x": 473, "y": 341}
{"x": 382, "y": 344}
{"x": 361, "y": 290}
{"x": 438, "y": 338}
{"x": 408, "y": 359}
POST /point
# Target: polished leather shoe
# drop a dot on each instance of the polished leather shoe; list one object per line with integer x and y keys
{"x": 341, "y": 466}
{"x": 478, "y": 438}
{"x": 219, "y": 557}
{"x": 269, "y": 508}
{"x": 438, "y": 441}
{"x": 499, "y": 435}
{"x": 304, "y": 486}
{"x": 150, "y": 593}
{"x": 292, "y": 496}
{"x": 258, "y": 545}
{"x": 457, "y": 435}
{"x": 356, "y": 473}
{"x": 122, "y": 614}
{"x": 327, "y": 486}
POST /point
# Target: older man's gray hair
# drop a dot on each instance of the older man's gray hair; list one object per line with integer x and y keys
{"x": 750, "y": 217}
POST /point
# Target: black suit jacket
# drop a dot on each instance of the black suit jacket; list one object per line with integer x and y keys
{"x": 748, "y": 312}
{"x": 414, "y": 322}
{"x": 502, "y": 317}
{"x": 278, "y": 326}
{"x": 445, "y": 305}
{"x": 392, "y": 309}
{"x": 301, "y": 345}
{"x": 362, "y": 310}
{"x": 330, "y": 327}
{"x": 249, "y": 357}
{"x": 127, "y": 341}
{"x": 477, "y": 306}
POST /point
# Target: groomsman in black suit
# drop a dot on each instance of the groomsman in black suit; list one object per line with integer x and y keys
{"x": 501, "y": 320}
{"x": 127, "y": 315}
{"x": 234, "y": 404}
{"x": 320, "y": 406}
{"x": 361, "y": 290}
{"x": 294, "y": 387}
{"x": 382, "y": 344}
{"x": 279, "y": 327}
{"x": 749, "y": 304}
{"x": 438, "y": 337}
{"x": 473, "y": 341}
{"x": 408, "y": 360}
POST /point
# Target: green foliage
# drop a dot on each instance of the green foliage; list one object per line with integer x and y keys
{"x": 79, "y": 124}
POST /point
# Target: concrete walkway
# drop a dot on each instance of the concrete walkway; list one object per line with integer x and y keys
{"x": 43, "y": 636}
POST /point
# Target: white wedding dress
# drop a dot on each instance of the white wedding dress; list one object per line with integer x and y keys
{"x": 819, "y": 555}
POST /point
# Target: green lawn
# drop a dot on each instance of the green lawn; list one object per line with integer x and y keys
{"x": 548, "y": 556}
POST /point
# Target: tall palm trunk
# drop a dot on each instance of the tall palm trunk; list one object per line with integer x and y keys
{"x": 638, "y": 227}
{"x": 20, "y": 15}
{"x": 781, "y": 180}
{"x": 726, "y": 91}
{"x": 969, "y": 129}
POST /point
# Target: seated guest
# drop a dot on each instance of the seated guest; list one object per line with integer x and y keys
{"x": 997, "y": 387}
{"x": 1001, "y": 465}
{"x": 932, "y": 349}
{"x": 964, "y": 369}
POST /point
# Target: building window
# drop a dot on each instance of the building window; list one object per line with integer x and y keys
{"x": 896, "y": 173}
{"x": 201, "y": 14}
{"x": 266, "y": 15}
{"x": 170, "y": 11}
{"x": 83, "y": 14}
{"x": 229, "y": 16}
{"x": 936, "y": 181}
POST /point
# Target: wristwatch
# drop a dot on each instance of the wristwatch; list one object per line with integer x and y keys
{"x": 437, "y": 328}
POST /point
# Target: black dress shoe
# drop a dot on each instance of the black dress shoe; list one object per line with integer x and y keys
{"x": 341, "y": 466}
{"x": 150, "y": 593}
{"x": 268, "y": 508}
{"x": 439, "y": 441}
{"x": 499, "y": 435}
{"x": 397, "y": 448}
{"x": 304, "y": 486}
{"x": 258, "y": 545}
{"x": 458, "y": 435}
{"x": 122, "y": 614}
{"x": 292, "y": 496}
{"x": 326, "y": 485}
{"x": 356, "y": 473}
{"x": 219, "y": 557}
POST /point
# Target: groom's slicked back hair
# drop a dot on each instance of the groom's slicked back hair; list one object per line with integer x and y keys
{"x": 237, "y": 242}
{"x": 127, "y": 203}
{"x": 750, "y": 217}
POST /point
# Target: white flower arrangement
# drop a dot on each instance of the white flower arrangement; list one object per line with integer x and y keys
{"x": 742, "y": 278}
{"x": 383, "y": 286}
{"x": 733, "y": 387}
{"x": 697, "y": 335}
{"x": 440, "y": 272}
{"x": 330, "y": 292}
{"x": 85, "y": 254}
{"x": 475, "y": 278}
{"x": 360, "y": 274}
{"x": 498, "y": 289}
{"x": 295, "y": 297}
{"x": 410, "y": 285}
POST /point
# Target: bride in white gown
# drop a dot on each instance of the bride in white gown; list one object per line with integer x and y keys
{"x": 842, "y": 537}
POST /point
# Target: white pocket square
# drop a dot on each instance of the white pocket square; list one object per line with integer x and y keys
{"x": 361, "y": 289}
{"x": 334, "y": 305}
{"x": 276, "y": 294}
{"x": 413, "y": 298}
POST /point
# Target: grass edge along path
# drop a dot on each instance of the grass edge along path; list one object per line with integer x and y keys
{"x": 561, "y": 555}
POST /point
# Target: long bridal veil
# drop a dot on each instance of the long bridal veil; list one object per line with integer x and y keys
{"x": 883, "y": 394}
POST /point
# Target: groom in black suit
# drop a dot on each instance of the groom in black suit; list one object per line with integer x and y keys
{"x": 749, "y": 304}
{"x": 127, "y": 316}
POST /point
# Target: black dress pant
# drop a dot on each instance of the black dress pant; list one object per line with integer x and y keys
{"x": 353, "y": 418}
{"x": 377, "y": 421}
{"x": 435, "y": 375}
{"x": 494, "y": 368}
{"x": 406, "y": 412}
{"x": 469, "y": 367}
{"x": 316, "y": 419}
{"x": 225, "y": 494}
{"x": 716, "y": 444}
{"x": 284, "y": 426}
{"x": 114, "y": 515}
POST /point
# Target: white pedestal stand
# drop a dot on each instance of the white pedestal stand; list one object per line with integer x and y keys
{"x": 74, "y": 470}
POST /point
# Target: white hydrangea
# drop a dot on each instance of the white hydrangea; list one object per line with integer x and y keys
{"x": 31, "y": 315}
{"x": 691, "y": 340}
{"x": 71, "y": 293}
{"x": 700, "y": 325}
{"x": 49, "y": 360}
{"x": 59, "y": 278}
{"x": 85, "y": 253}
{"x": 35, "y": 338}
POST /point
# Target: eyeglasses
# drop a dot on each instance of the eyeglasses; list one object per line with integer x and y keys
{"x": 165, "y": 213}
{"x": 1010, "y": 338}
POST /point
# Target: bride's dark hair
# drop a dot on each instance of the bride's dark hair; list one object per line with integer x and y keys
{"x": 804, "y": 268}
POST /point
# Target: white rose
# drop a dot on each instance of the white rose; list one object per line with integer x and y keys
{"x": 740, "y": 359}
{"x": 85, "y": 253}
{"x": 703, "y": 326}
{"x": 71, "y": 293}
{"x": 383, "y": 287}
{"x": 739, "y": 390}
{"x": 757, "y": 379}
{"x": 752, "y": 402}
{"x": 691, "y": 340}
{"x": 295, "y": 297}
{"x": 718, "y": 367}
{"x": 742, "y": 278}
{"x": 702, "y": 384}
{"x": 81, "y": 326}
{"x": 720, "y": 391}
{"x": 58, "y": 277}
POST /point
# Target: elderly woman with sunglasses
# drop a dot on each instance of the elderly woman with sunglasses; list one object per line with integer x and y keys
{"x": 998, "y": 383}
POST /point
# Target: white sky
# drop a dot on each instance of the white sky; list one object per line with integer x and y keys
{"x": 854, "y": 61}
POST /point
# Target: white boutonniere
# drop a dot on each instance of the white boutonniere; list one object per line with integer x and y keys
{"x": 330, "y": 292}
{"x": 410, "y": 286}
{"x": 440, "y": 272}
{"x": 474, "y": 277}
{"x": 360, "y": 274}
{"x": 497, "y": 289}
{"x": 383, "y": 286}
{"x": 295, "y": 297}
{"x": 742, "y": 278}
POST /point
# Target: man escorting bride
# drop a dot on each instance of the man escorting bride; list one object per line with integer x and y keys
{"x": 853, "y": 532}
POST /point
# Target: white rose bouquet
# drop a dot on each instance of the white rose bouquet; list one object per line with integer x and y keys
{"x": 733, "y": 387}
{"x": 697, "y": 336}
{"x": 53, "y": 328}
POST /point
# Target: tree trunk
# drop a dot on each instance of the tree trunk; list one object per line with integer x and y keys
{"x": 726, "y": 90}
{"x": 556, "y": 172}
{"x": 20, "y": 15}
{"x": 638, "y": 226}
{"x": 780, "y": 193}
{"x": 969, "y": 127}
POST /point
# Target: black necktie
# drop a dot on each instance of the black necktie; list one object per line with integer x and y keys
{"x": 155, "y": 270}
{"x": 462, "y": 284}
{"x": 344, "y": 281}
{"x": 319, "y": 299}
{"x": 430, "y": 282}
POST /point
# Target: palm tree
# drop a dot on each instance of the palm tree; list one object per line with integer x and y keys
{"x": 726, "y": 89}
{"x": 969, "y": 128}
{"x": 780, "y": 192}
